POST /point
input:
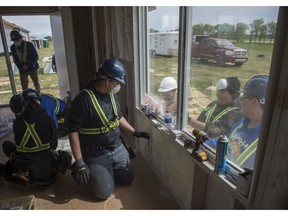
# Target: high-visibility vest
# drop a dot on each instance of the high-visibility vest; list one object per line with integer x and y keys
{"x": 216, "y": 118}
{"x": 251, "y": 149}
{"x": 57, "y": 108}
{"x": 30, "y": 132}
{"x": 107, "y": 125}
{"x": 22, "y": 56}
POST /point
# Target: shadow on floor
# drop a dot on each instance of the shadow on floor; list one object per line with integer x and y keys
{"x": 146, "y": 191}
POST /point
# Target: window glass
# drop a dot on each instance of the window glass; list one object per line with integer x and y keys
{"x": 5, "y": 87}
{"x": 163, "y": 42}
{"x": 230, "y": 46}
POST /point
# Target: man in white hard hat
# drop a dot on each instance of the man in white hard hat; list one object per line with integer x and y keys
{"x": 168, "y": 87}
{"x": 220, "y": 115}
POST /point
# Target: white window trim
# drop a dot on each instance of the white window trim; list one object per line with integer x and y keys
{"x": 258, "y": 185}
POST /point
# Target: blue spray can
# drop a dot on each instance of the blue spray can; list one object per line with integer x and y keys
{"x": 147, "y": 109}
{"x": 221, "y": 153}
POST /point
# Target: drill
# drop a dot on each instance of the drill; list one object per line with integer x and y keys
{"x": 200, "y": 138}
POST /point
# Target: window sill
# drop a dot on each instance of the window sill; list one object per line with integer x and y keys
{"x": 206, "y": 166}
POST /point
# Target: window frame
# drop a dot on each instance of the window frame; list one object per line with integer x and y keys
{"x": 185, "y": 38}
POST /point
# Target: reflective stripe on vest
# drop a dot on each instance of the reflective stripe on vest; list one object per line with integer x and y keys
{"x": 223, "y": 113}
{"x": 30, "y": 131}
{"x": 22, "y": 56}
{"x": 57, "y": 106}
{"x": 251, "y": 149}
{"x": 107, "y": 125}
{"x": 210, "y": 112}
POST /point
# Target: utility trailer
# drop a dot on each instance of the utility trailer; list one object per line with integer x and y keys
{"x": 164, "y": 43}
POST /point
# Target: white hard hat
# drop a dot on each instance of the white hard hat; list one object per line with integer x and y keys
{"x": 221, "y": 84}
{"x": 167, "y": 84}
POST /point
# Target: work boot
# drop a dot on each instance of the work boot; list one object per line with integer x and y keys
{"x": 65, "y": 161}
{"x": 62, "y": 160}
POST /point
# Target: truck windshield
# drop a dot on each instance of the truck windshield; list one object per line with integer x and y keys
{"x": 224, "y": 43}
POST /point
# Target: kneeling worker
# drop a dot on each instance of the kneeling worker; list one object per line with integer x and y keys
{"x": 33, "y": 159}
{"x": 94, "y": 133}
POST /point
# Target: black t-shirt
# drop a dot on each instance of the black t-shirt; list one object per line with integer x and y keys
{"x": 221, "y": 119}
{"x": 84, "y": 115}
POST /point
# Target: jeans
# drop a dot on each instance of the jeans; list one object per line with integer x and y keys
{"x": 24, "y": 80}
{"x": 108, "y": 167}
{"x": 40, "y": 164}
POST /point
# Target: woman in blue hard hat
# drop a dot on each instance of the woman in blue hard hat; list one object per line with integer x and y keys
{"x": 94, "y": 133}
{"x": 243, "y": 136}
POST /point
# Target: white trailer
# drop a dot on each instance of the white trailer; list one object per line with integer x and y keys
{"x": 164, "y": 43}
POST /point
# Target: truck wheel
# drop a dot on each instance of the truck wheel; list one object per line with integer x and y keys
{"x": 220, "y": 61}
{"x": 238, "y": 64}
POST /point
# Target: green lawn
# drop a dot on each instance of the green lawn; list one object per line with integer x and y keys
{"x": 203, "y": 75}
{"x": 48, "y": 82}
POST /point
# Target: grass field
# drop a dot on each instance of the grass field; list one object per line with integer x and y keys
{"x": 203, "y": 75}
{"x": 48, "y": 82}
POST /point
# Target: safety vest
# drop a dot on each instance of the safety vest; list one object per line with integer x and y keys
{"x": 57, "y": 108}
{"x": 22, "y": 56}
{"x": 107, "y": 125}
{"x": 30, "y": 132}
{"x": 210, "y": 112}
{"x": 251, "y": 149}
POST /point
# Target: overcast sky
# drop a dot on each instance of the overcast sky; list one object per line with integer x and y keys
{"x": 162, "y": 20}
{"x": 39, "y": 26}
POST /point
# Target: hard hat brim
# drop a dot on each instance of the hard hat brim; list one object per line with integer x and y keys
{"x": 165, "y": 90}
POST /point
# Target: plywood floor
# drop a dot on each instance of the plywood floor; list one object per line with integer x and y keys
{"x": 146, "y": 192}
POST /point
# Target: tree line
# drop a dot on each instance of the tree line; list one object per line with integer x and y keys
{"x": 259, "y": 31}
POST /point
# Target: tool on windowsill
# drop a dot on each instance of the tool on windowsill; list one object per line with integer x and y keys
{"x": 201, "y": 137}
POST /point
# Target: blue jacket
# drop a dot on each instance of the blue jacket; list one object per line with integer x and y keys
{"x": 242, "y": 144}
{"x": 31, "y": 59}
{"x": 49, "y": 105}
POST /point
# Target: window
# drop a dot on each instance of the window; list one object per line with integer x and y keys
{"x": 227, "y": 50}
{"x": 163, "y": 38}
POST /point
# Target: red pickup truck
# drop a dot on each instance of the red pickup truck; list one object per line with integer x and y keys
{"x": 220, "y": 50}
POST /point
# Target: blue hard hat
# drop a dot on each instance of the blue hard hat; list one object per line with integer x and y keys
{"x": 15, "y": 35}
{"x": 257, "y": 87}
{"x": 16, "y": 104}
{"x": 112, "y": 68}
{"x": 30, "y": 94}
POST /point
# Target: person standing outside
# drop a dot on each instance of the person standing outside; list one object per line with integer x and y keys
{"x": 25, "y": 57}
{"x": 220, "y": 115}
{"x": 243, "y": 136}
{"x": 94, "y": 133}
{"x": 168, "y": 88}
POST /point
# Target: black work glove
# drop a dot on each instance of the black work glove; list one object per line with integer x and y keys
{"x": 80, "y": 172}
{"x": 141, "y": 134}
